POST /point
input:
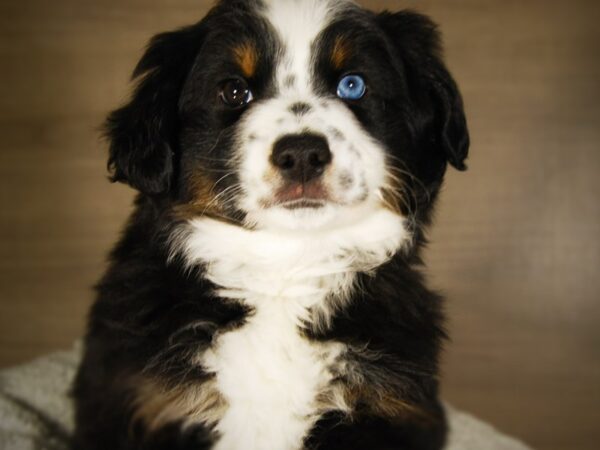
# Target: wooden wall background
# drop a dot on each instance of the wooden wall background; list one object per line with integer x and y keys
{"x": 516, "y": 247}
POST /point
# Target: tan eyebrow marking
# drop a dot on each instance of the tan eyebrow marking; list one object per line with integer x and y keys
{"x": 246, "y": 57}
{"x": 340, "y": 52}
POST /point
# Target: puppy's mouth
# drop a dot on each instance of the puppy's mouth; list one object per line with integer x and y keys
{"x": 302, "y": 204}
{"x": 301, "y": 195}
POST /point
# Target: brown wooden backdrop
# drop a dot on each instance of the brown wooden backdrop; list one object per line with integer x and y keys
{"x": 516, "y": 246}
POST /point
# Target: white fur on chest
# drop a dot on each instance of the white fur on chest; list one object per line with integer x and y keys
{"x": 269, "y": 374}
{"x": 270, "y": 377}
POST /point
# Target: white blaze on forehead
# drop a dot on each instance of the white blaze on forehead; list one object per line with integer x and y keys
{"x": 298, "y": 23}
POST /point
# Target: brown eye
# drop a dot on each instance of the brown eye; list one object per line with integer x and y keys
{"x": 236, "y": 93}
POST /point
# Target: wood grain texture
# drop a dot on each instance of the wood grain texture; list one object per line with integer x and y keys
{"x": 515, "y": 248}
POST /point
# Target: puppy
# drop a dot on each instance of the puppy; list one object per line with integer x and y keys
{"x": 266, "y": 293}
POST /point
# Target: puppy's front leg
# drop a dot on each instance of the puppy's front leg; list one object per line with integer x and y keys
{"x": 176, "y": 437}
{"x": 336, "y": 432}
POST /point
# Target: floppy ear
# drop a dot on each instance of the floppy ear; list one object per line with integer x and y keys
{"x": 142, "y": 133}
{"x": 442, "y": 122}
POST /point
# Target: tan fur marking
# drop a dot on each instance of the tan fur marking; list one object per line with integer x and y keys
{"x": 247, "y": 58}
{"x": 156, "y": 404}
{"x": 204, "y": 202}
{"x": 354, "y": 395}
{"x": 334, "y": 398}
{"x": 340, "y": 52}
{"x": 386, "y": 404}
{"x": 393, "y": 192}
{"x": 391, "y": 200}
{"x": 204, "y": 194}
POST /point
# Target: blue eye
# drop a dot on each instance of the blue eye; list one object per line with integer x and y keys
{"x": 351, "y": 87}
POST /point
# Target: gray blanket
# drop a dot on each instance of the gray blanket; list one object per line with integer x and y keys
{"x": 36, "y": 411}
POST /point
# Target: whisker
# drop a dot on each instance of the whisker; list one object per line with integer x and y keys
{"x": 221, "y": 179}
{"x": 399, "y": 190}
{"x": 403, "y": 170}
{"x": 406, "y": 174}
{"x": 227, "y": 191}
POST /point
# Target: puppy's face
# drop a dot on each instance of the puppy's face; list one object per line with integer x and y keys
{"x": 292, "y": 114}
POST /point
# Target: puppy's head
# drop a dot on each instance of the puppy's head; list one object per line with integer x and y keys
{"x": 292, "y": 114}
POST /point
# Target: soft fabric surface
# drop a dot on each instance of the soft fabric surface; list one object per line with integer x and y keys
{"x": 36, "y": 412}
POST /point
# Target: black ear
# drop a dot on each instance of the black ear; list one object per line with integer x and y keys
{"x": 416, "y": 41}
{"x": 142, "y": 133}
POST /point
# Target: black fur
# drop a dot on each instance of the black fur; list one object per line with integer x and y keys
{"x": 152, "y": 314}
{"x": 142, "y": 133}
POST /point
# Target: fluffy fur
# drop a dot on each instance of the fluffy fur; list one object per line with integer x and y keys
{"x": 258, "y": 301}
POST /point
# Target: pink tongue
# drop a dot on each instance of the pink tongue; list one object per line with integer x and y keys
{"x": 297, "y": 191}
{"x": 290, "y": 193}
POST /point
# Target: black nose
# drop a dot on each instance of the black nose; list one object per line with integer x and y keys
{"x": 301, "y": 157}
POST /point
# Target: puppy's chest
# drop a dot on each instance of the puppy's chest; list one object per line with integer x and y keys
{"x": 276, "y": 382}
{"x": 270, "y": 374}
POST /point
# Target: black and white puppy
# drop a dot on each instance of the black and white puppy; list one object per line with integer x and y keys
{"x": 267, "y": 292}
